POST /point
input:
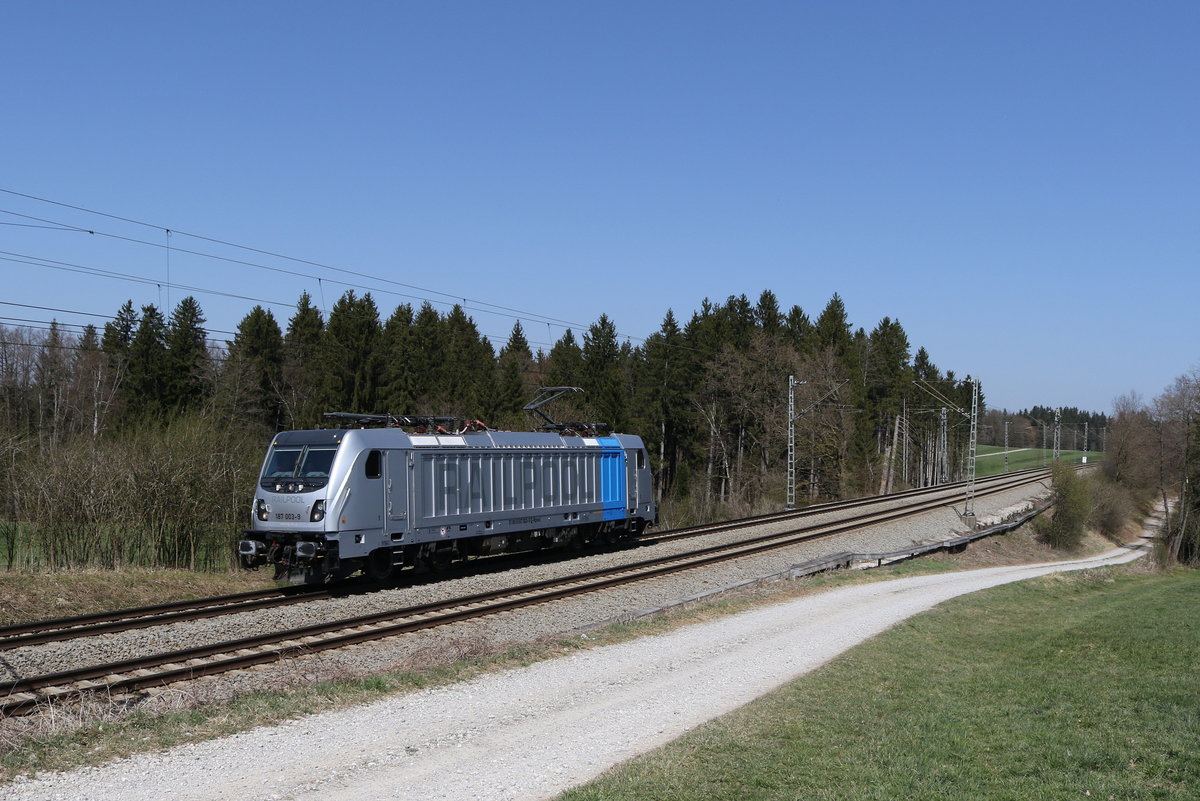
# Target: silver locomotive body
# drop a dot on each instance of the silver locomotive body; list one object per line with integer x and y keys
{"x": 331, "y": 502}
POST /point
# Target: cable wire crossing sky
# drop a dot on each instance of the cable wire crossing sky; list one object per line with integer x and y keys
{"x": 1016, "y": 184}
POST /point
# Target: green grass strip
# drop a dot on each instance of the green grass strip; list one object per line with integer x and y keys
{"x": 991, "y": 461}
{"x": 1080, "y": 685}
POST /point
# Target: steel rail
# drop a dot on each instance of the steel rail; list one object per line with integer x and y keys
{"x": 25, "y": 695}
{"x": 833, "y": 506}
{"x": 24, "y": 635}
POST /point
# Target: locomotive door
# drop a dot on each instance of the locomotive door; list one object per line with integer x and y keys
{"x": 397, "y": 498}
{"x": 363, "y": 508}
{"x": 612, "y": 478}
{"x": 633, "y": 459}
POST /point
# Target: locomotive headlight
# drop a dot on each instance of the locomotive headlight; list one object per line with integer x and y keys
{"x": 262, "y": 510}
{"x": 318, "y": 511}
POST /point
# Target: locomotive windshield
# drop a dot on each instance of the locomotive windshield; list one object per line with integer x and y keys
{"x": 306, "y": 463}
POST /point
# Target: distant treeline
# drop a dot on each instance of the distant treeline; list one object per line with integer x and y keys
{"x": 139, "y": 442}
{"x": 1034, "y": 428}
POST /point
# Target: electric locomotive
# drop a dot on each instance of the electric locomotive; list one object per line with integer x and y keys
{"x": 374, "y": 497}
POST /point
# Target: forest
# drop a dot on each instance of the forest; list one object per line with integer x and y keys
{"x": 138, "y": 442}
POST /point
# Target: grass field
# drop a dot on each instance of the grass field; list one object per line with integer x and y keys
{"x": 990, "y": 459}
{"x": 1080, "y": 685}
{"x": 26, "y": 596}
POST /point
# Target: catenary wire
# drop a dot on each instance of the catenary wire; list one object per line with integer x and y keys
{"x": 271, "y": 253}
{"x": 515, "y": 313}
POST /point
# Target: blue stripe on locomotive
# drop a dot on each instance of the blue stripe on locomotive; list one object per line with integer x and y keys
{"x": 612, "y": 478}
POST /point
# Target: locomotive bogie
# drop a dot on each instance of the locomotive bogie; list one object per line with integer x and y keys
{"x": 333, "y": 502}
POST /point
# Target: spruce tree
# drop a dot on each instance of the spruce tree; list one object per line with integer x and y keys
{"x": 146, "y": 387}
{"x": 513, "y": 368}
{"x": 257, "y": 353}
{"x": 301, "y": 374}
{"x": 889, "y": 372}
{"x": 767, "y": 313}
{"x": 348, "y": 356}
{"x": 400, "y": 359}
{"x": 602, "y": 373}
{"x": 799, "y": 330}
{"x": 923, "y": 367}
{"x": 832, "y": 329}
{"x": 428, "y": 366}
{"x": 566, "y": 369}
{"x": 118, "y": 336}
{"x": 187, "y": 357}
{"x": 662, "y": 393}
{"x": 467, "y": 368}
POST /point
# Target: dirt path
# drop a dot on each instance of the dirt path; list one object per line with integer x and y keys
{"x": 534, "y": 732}
{"x": 1001, "y": 453}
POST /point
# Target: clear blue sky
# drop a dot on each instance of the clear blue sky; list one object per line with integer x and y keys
{"x": 1018, "y": 183}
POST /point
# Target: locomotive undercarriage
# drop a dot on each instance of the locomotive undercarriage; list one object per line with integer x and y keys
{"x": 315, "y": 561}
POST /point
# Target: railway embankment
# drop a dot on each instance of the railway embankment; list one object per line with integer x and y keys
{"x": 497, "y": 632}
{"x": 533, "y": 732}
{"x": 533, "y": 629}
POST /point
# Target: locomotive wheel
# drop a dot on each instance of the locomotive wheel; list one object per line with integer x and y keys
{"x": 379, "y": 565}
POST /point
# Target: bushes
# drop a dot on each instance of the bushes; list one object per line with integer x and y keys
{"x": 1072, "y": 505}
{"x": 1095, "y": 500}
{"x": 170, "y": 495}
{"x": 1112, "y": 506}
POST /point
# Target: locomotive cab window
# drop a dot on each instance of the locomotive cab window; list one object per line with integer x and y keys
{"x": 641, "y": 459}
{"x": 283, "y": 463}
{"x": 299, "y": 462}
{"x": 374, "y": 464}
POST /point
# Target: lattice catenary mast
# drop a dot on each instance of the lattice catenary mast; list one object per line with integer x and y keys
{"x": 969, "y": 506}
{"x": 1058, "y": 434}
{"x": 791, "y": 471}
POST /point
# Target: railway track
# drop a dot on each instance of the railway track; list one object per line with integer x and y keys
{"x": 23, "y": 635}
{"x": 28, "y": 694}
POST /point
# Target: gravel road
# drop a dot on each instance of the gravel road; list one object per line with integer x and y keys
{"x": 534, "y": 732}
